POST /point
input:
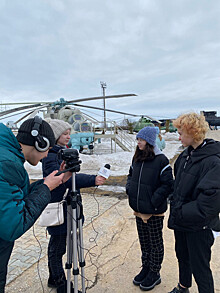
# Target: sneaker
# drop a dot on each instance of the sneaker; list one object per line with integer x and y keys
{"x": 152, "y": 279}
{"x": 179, "y": 289}
{"x": 141, "y": 276}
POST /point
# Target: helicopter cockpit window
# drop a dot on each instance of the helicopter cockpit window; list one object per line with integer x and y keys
{"x": 85, "y": 127}
{"x": 78, "y": 117}
{"x": 71, "y": 120}
{"x": 76, "y": 126}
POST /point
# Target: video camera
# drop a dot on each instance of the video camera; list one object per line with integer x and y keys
{"x": 71, "y": 159}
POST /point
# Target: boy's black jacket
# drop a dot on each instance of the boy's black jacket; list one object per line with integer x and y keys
{"x": 195, "y": 203}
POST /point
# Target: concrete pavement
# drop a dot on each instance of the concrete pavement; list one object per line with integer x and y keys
{"x": 115, "y": 257}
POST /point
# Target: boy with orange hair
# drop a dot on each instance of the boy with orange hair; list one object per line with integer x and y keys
{"x": 195, "y": 204}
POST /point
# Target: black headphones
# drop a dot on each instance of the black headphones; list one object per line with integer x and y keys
{"x": 42, "y": 144}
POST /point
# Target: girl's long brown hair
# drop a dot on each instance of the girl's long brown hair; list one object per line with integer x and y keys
{"x": 146, "y": 154}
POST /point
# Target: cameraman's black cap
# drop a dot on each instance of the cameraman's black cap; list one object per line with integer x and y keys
{"x": 24, "y": 132}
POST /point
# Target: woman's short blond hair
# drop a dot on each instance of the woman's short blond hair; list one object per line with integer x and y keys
{"x": 193, "y": 124}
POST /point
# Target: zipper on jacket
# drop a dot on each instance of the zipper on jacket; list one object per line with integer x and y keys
{"x": 187, "y": 159}
{"x": 139, "y": 186}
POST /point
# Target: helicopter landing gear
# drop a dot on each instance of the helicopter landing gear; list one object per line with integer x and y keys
{"x": 81, "y": 149}
{"x": 91, "y": 148}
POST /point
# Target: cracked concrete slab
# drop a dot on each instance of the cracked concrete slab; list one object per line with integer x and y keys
{"x": 114, "y": 258}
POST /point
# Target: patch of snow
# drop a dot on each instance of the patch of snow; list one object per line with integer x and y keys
{"x": 112, "y": 188}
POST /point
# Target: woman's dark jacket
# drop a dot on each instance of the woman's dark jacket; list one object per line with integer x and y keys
{"x": 149, "y": 183}
{"x": 195, "y": 204}
{"x": 51, "y": 163}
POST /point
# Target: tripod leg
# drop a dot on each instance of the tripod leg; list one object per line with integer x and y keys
{"x": 81, "y": 254}
{"x": 69, "y": 247}
{"x": 75, "y": 258}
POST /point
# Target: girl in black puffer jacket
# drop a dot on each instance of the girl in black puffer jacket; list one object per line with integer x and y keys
{"x": 149, "y": 184}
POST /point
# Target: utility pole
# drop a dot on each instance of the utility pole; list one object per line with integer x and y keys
{"x": 104, "y": 86}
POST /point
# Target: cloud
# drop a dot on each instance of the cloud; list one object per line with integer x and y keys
{"x": 165, "y": 51}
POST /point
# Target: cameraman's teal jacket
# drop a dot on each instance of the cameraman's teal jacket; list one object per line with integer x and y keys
{"x": 20, "y": 203}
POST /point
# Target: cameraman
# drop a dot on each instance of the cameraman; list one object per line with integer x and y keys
{"x": 21, "y": 203}
{"x": 57, "y": 243}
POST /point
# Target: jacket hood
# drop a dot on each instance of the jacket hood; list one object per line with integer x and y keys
{"x": 209, "y": 147}
{"x": 8, "y": 142}
{"x": 157, "y": 151}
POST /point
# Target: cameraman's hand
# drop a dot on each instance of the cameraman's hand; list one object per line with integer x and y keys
{"x": 99, "y": 180}
{"x": 53, "y": 181}
{"x": 67, "y": 175}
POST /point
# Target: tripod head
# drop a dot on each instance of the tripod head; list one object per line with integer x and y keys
{"x": 71, "y": 159}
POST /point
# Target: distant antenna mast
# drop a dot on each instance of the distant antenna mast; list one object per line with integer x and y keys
{"x": 104, "y": 86}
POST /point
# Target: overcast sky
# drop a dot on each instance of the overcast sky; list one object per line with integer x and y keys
{"x": 165, "y": 51}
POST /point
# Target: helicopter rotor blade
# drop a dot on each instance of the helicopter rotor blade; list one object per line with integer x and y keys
{"x": 23, "y": 103}
{"x": 31, "y": 114}
{"x": 101, "y": 97}
{"x": 15, "y": 114}
{"x": 119, "y": 112}
{"x": 35, "y": 104}
{"x": 18, "y": 109}
{"x": 109, "y": 110}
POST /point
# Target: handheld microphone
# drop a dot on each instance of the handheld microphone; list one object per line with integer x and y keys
{"x": 105, "y": 171}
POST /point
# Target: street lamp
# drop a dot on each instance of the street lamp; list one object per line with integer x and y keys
{"x": 104, "y": 86}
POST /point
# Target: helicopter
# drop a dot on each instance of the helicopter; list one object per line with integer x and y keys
{"x": 82, "y": 127}
{"x": 211, "y": 118}
{"x": 82, "y": 130}
{"x": 163, "y": 124}
{"x": 142, "y": 122}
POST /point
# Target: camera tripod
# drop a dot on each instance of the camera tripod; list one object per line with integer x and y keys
{"x": 75, "y": 250}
